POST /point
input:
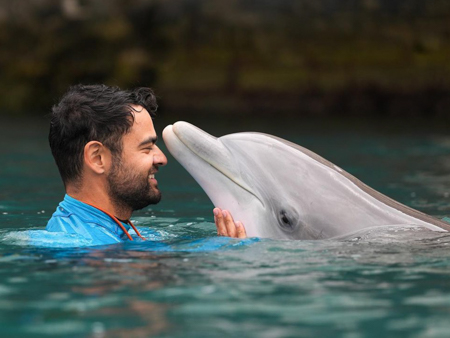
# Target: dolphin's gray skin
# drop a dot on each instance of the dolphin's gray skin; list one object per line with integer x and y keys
{"x": 281, "y": 190}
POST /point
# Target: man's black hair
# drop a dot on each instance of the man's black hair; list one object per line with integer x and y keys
{"x": 92, "y": 113}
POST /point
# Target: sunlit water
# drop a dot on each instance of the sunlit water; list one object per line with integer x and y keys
{"x": 186, "y": 282}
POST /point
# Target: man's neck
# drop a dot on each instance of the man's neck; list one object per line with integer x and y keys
{"x": 100, "y": 199}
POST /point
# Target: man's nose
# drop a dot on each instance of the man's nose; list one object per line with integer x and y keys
{"x": 159, "y": 158}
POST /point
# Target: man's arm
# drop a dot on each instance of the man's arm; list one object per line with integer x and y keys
{"x": 226, "y": 226}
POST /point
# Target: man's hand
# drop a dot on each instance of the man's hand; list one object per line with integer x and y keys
{"x": 226, "y": 226}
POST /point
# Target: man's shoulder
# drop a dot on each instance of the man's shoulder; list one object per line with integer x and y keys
{"x": 67, "y": 220}
{"x": 66, "y": 217}
{"x": 72, "y": 221}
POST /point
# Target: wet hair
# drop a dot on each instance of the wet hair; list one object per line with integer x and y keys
{"x": 92, "y": 113}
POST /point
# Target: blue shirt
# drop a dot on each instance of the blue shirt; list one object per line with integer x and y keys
{"x": 75, "y": 217}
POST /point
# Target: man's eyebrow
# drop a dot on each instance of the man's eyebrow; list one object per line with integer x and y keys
{"x": 150, "y": 140}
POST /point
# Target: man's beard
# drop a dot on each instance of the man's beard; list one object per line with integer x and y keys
{"x": 130, "y": 189}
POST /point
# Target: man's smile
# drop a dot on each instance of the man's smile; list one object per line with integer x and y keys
{"x": 152, "y": 179}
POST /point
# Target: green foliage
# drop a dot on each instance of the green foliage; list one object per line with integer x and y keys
{"x": 229, "y": 50}
{"x": 46, "y": 52}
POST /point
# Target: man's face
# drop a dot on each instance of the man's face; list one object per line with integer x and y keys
{"x": 131, "y": 179}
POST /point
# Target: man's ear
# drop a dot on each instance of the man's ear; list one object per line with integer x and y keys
{"x": 97, "y": 157}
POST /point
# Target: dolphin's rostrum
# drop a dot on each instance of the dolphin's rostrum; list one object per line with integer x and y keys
{"x": 281, "y": 190}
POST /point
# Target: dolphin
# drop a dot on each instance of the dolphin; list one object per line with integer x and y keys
{"x": 281, "y": 190}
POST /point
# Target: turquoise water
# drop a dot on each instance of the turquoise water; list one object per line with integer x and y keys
{"x": 186, "y": 282}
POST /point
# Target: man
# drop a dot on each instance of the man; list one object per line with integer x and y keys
{"x": 104, "y": 144}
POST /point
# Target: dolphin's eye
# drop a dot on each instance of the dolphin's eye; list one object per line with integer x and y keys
{"x": 284, "y": 217}
{"x": 286, "y": 221}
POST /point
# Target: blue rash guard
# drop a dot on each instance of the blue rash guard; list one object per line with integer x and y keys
{"x": 75, "y": 217}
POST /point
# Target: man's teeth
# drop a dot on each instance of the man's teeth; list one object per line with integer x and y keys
{"x": 151, "y": 176}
